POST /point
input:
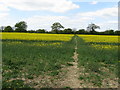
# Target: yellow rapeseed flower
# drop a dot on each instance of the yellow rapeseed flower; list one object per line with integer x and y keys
{"x": 36, "y": 36}
{"x": 101, "y": 39}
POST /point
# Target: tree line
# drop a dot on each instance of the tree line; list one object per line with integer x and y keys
{"x": 57, "y": 28}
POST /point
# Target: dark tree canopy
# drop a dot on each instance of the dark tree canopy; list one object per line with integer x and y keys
{"x": 8, "y": 29}
{"x": 68, "y": 31}
{"x": 91, "y": 28}
{"x": 117, "y": 32}
{"x": 41, "y": 31}
{"x": 21, "y": 26}
{"x": 109, "y": 32}
{"x": 56, "y": 27}
{"x": 81, "y": 31}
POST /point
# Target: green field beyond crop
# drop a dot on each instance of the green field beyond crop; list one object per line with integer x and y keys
{"x": 43, "y": 60}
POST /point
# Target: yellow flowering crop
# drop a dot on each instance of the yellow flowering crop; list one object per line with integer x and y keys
{"x": 36, "y": 36}
{"x": 100, "y": 38}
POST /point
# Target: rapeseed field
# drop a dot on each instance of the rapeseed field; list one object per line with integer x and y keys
{"x": 27, "y": 56}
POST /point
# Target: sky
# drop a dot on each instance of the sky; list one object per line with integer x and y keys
{"x": 75, "y": 14}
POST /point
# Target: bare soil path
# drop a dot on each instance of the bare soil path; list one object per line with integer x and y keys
{"x": 71, "y": 80}
{"x": 69, "y": 77}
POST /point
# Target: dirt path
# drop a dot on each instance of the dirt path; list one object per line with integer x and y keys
{"x": 72, "y": 76}
{"x": 71, "y": 80}
{"x": 67, "y": 78}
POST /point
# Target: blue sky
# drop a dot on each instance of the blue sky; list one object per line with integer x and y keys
{"x": 41, "y": 14}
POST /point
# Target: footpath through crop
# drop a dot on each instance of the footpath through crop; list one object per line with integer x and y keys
{"x": 86, "y": 70}
{"x": 58, "y": 64}
{"x": 71, "y": 80}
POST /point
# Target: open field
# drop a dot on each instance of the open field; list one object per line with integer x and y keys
{"x": 99, "y": 57}
{"x": 59, "y": 60}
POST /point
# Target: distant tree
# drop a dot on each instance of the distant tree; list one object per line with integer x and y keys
{"x": 8, "y": 29}
{"x": 61, "y": 32}
{"x": 81, "y": 31}
{"x": 91, "y": 28}
{"x": 31, "y": 31}
{"x": 101, "y": 33}
{"x": 109, "y": 32}
{"x": 41, "y": 31}
{"x": 117, "y": 32}
{"x": 47, "y": 31}
{"x": 68, "y": 31}
{"x": 56, "y": 27}
{"x": 21, "y": 26}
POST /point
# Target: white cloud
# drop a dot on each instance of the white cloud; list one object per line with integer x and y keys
{"x": 43, "y": 21}
{"x": 106, "y": 18}
{"x": 37, "y": 22}
{"x": 49, "y": 5}
{"x": 5, "y": 20}
{"x": 113, "y": 22}
{"x": 3, "y": 8}
{"x": 94, "y": 2}
{"x": 108, "y": 25}
{"x": 3, "y": 15}
{"x": 102, "y": 17}
{"x": 80, "y": 20}
{"x": 106, "y": 12}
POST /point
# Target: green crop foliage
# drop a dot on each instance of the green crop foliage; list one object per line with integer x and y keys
{"x": 23, "y": 59}
{"x": 32, "y": 57}
{"x": 94, "y": 59}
